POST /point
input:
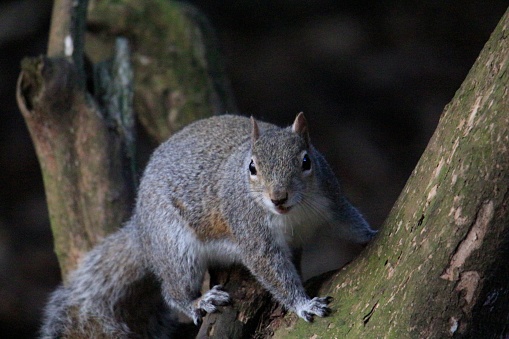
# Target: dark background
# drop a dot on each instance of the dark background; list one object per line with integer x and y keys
{"x": 372, "y": 78}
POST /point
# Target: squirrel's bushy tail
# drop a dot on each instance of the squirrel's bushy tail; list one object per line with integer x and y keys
{"x": 110, "y": 295}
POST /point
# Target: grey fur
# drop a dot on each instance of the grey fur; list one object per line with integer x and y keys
{"x": 198, "y": 204}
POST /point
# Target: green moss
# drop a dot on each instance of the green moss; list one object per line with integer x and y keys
{"x": 172, "y": 69}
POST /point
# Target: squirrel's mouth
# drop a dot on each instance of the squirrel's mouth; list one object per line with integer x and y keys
{"x": 283, "y": 209}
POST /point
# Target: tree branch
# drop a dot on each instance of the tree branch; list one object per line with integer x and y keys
{"x": 67, "y": 32}
{"x": 82, "y": 157}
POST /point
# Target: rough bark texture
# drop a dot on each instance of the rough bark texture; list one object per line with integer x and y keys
{"x": 82, "y": 157}
{"x": 439, "y": 266}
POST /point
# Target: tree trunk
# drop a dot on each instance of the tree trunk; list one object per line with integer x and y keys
{"x": 439, "y": 265}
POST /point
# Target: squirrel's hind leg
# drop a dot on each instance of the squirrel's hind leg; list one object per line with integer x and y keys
{"x": 184, "y": 294}
{"x": 180, "y": 262}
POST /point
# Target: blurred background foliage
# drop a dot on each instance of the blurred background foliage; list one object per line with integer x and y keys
{"x": 372, "y": 78}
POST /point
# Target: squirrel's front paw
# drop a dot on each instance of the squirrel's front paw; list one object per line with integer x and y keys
{"x": 316, "y": 306}
{"x": 209, "y": 301}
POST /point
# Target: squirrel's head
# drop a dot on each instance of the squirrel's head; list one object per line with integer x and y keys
{"x": 281, "y": 165}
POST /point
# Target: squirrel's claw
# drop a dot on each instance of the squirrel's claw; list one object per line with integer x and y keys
{"x": 216, "y": 296}
{"x": 307, "y": 316}
{"x": 198, "y": 315}
{"x": 316, "y": 306}
{"x": 209, "y": 301}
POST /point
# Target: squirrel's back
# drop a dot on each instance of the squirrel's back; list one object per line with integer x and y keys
{"x": 192, "y": 166}
{"x": 199, "y": 150}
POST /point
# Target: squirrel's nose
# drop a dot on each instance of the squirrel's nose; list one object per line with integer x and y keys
{"x": 281, "y": 201}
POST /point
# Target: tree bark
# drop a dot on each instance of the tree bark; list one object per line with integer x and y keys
{"x": 82, "y": 157}
{"x": 439, "y": 265}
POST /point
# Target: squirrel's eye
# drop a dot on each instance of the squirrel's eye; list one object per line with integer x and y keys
{"x": 306, "y": 163}
{"x": 252, "y": 168}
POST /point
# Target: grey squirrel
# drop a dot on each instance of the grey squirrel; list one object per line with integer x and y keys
{"x": 225, "y": 190}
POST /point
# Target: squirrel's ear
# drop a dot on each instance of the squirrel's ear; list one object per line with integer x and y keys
{"x": 300, "y": 126}
{"x": 255, "y": 132}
